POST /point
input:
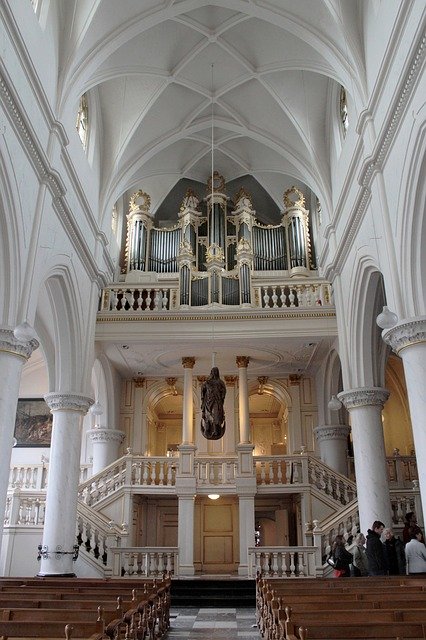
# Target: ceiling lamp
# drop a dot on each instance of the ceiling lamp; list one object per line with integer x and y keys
{"x": 213, "y": 496}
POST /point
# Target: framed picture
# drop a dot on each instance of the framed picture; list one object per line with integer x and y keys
{"x": 33, "y": 426}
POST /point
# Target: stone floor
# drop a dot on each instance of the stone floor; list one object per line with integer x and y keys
{"x": 206, "y": 624}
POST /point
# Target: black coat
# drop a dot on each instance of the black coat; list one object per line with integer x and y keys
{"x": 342, "y": 559}
{"x": 377, "y": 565}
{"x": 394, "y": 556}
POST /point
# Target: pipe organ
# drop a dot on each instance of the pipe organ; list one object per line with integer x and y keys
{"x": 215, "y": 253}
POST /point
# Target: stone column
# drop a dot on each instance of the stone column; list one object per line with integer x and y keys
{"x": 365, "y": 407}
{"x": 59, "y": 534}
{"x": 188, "y": 403}
{"x": 13, "y": 355}
{"x": 244, "y": 417}
{"x": 333, "y": 445}
{"x": 105, "y": 444}
{"x": 408, "y": 340}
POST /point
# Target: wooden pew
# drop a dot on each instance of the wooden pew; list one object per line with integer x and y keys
{"x": 44, "y": 610}
{"x": 283, "y": 607}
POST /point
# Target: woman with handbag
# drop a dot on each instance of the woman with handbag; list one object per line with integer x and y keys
{"x": 342, "y": 559}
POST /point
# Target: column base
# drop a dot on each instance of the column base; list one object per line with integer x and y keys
{"x": 186, "y": 571}
{"x": 243, "y": 570}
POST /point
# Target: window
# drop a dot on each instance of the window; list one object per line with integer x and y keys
{"x": 344, "y": 119}
{"x": 83, "y": 120}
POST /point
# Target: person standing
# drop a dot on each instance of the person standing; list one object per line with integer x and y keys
{"x": 410, "y": 521}
{"x": 415, "y": 553}
{"x": 359, "y": 561}
{"x": 394, "y": 553}
{"x": 342, "y": 559}
{"x": 375, "y": 553}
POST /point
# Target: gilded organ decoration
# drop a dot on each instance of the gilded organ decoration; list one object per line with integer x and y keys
{"x": 218, "y": 245}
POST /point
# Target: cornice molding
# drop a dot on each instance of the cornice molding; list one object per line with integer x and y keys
{"x": 68, "y": 402}
{"x": 173, "y": 316}
{"x": 363, "y": 397}
{"x": 406, "y": 334}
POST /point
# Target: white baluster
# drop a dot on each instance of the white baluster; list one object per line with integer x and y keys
{"x": 157, "y": 299}
{"x": 160, "y": 563}
{"x": 285, "y": 567}
{"x": 271, "y": 472}
{"x": 164, "y": 301}
{"x": 266, "y": 298}
{"x": 161, "y": 474}
{"x": 292, "y": 565}
{"x": 168, "y": 562}
{"x": 292, "y": 298}
{"x": 279, "y": 472}
{"x": 169, "y": 474}
{"x": 145, "y": 472}
{"x": 138, "y": 299}
{"x": 274, "y": 297}
{"x": 282, "y": 297}
{"x": 274, "y": 563}
{"x": 258, "y": 561}
{"x": 288, "y": 468}
{"x": 262, "y": 472}
{"x": 113, "y": 300}
{"x": 301, "y": 568}
{"x": 265, "y": 563}
{"x": 152, "y": 564}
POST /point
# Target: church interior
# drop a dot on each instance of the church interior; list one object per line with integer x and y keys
{"x": 188, "y": 187}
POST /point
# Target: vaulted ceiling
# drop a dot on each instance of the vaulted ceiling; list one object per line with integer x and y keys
{"x": 158, "y": 74}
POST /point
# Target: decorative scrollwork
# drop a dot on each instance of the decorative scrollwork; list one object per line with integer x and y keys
{"x": 43, "y": 552}
{"x": 140, "y": 201}
{"x": 293, "y": 197}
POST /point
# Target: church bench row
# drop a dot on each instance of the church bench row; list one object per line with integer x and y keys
{"x": 332, "y": 611}
{"x": 147, "y": 614}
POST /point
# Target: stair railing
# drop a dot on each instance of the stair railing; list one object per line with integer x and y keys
{"x": 96, "y": 534}
{"x": 144, "y": 562}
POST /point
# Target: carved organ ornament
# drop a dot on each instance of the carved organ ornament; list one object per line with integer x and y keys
{"x": 216, "y": 253}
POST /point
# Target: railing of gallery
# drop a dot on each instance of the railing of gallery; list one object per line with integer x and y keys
{"x": 282, "y": 562}
{"x": 24, "y": 508}
{"x": 273, "y": 294}
{"x": 34, "y": 476}
{"x": 144, "y": 562}
{"x": 215, "y": 471}
{"x": 159, "y": 474}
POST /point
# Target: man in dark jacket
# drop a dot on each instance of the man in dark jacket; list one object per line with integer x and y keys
{"x": 377, "y": 565}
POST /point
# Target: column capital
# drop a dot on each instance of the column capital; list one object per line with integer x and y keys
{"x": 139, "y": 382}
{"x": 406, "y": 333}
{"x": 68, "y": 402}
{"x": 331, "y": 432}
{"x": 230, "y": 380}
{"x": 242, "y": 361}
{"x": 106, "y": 435}
{"x": 188, "y": 362}
{"x": 9, "y": 344}
{"x": 364, "y": 397}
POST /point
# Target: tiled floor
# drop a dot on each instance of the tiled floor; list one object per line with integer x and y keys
{"x": 206, "y": 624}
